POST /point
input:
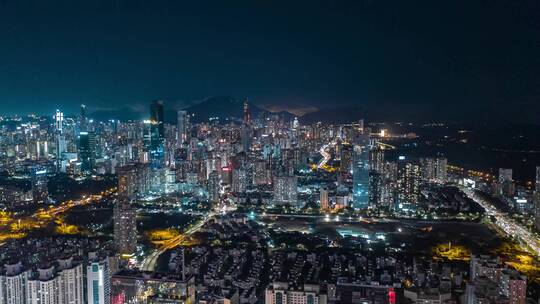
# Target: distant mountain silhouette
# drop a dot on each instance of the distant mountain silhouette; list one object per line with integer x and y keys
{"x": 225, "y": 107}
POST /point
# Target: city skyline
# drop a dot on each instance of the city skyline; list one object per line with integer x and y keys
{"x": 322, "y": 152}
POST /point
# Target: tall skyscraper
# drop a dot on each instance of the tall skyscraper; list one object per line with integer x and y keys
{"x": 156, "y": 118}
{"x": 14, "y": 284}
{"x": 83, "y": 121}
{"x": 182, "y": 126}
{"x": 87, "y": 151}
{"x": 361, "y": 171}
{"x": 213, "y": 187}
{"x": 246, "y": 131}
{"x": 247, "y": 116}
{"x": 40, "y": 192}
{"x": 408, "y": 182}
{"x": 98, "y": 280}
{"x": 125, "y": 228}
{"x": 157, "y": 135}
{"x": 60, "y": 140}
{"x": 71, "y": 281}
{"x": 45, "y": 288}
{"x": 58, "y": 121}
{"x": 324, "y": 201}
{"x": 128, "y": 180}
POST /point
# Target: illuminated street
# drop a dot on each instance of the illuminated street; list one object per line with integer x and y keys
{"x": 506, "y": 224}
{"x": 13, "y": 227}
{"x": 150, "y": 261}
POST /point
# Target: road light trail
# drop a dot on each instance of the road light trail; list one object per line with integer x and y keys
{"x": 149, "y": 263}
{"x": 508, "y": 225}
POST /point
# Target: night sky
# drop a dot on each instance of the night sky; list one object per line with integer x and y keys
{"x": 283, "y": 55}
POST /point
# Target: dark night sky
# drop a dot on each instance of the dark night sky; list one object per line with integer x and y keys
{"x": 401, "y": 54}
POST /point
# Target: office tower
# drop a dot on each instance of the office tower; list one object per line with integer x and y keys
{"x": 125, "y": 227}
{"x": 182, "y": 127}
{"x": 408, "y": 182}
{"x": 98, "y": 280}
{"x": 156, "y": 119}
{"x": 60, "y": 140}
{"x": 247, "y": 117}
{"x": 213, "y": 187}
{"x": 157, "y": 135}
{"x": 45, "y": 288}
{"x": 58, "y": 121}
{"x": 285, "y": 189}
{"x": 40, "y": 192}
{"x": 87, "y": 151}
{"x": 361, "y": 172}
{"x": 324, "y": 200}
{"x": 13, "y": 284}
{"x": 245, "y": 138}
{"x": 71, "y": 281}
{"x": 246, "y": 130}
{"x": 83, "y": 120}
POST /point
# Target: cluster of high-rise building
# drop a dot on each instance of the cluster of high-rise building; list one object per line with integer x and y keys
{"x": 56, "y": 271}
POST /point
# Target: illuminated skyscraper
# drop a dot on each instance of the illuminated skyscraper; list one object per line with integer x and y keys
{"x": 285, "y": 189}
{"x": 125, "y": 227}
{"x": 246, "y": 131}
{"x": 408, "y": 182}
{"x": 87, "y": 151}
{"x": 58, "y": 121}
{"x": 182, "y": 127}
{"x": 45, "y": 288}
{"x": 361, "y": 171}
{"x": 324, "y": 201}
{"x": 71, "y": 281}
{"x": 98, "y": 280}
{"x": 157, "y": 135}
{"x": 247, "y": 117}
{"x": 83, "y": 121}
{"x": 40, "y": 191}
{"x": 14, "y": 284}
{"x": 60, "y": 140}
{"x": 213, "y": 187}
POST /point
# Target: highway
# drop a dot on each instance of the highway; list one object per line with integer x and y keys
{"x": 149, "y": 263}
{"x": 507, "y": 224}
{"x": 326, "y": 156}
